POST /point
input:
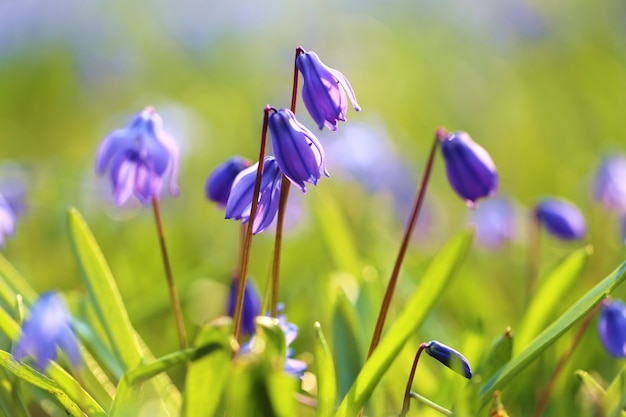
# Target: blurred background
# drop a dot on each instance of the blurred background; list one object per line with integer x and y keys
{"x": 540, "y": 84}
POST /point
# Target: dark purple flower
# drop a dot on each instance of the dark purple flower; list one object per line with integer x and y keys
{"x": 471, "y": 171}
{"x": 449, "y": 357}
{"x": 612, "y": 328}
{"x": 561, "y": 218}
{"x": 48, "y": 326}
{"x": 495, "y": 222}
{"x": 610, "y": 184}
{"x": 219, "y": 183}
{"x": 299, "y": 154}
{"x": 251, "y": 305}
{"x": 324, "y": 91}
{"x": 139, "y": 157}
{"x": 7, "y": 220}
{"x": 240, "y": 200}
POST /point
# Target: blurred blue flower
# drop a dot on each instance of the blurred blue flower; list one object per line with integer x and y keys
{"x": 495, "y": 222}
{"x": 251, "y": 305}
{"x": 324, "y": 91}
{"x": 48, "y": 326}
{"x": 612, "y": 328}
{"x": 219, "y": 183}
{"x": 610, "y": 184}
{"x": 240, "y": 200}
{"x": 561, "y": 218}
{"x": 449, "y": 357}
{"x": 471, "y": 171}
{"x": 298, "y": 153}
{"x": 7, "y": 220}
{"x": 139, "y": 157}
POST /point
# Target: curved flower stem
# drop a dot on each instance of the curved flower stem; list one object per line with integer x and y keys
{"x": 178, "y": 315}
{"x": 545, "y": 397}
{"x": 284, "y": 196}
{"x": 384, "y": 309}
{"x": 247, "y": 244}
{"x": 407, "y": 392}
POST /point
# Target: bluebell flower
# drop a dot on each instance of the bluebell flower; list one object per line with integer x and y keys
{"x": 219, "y": 183}
{"x": 7, "y": 220}
{"x": 561, "y": 218}
{"x": 139, "y": 156}
{"x": 251, "y": 305}
{"x": 299, "y": 154}
{"x": 449, "y": 357}
{"x": 610, "y": 184}
{"x": 495, "y": 222}
{"x": 324, "y": 91}
{"x": 48, "y": 327}
{"x": 471, "y": 171}
{"x": 239, "y": 202}
{"x": 612, "y": 328}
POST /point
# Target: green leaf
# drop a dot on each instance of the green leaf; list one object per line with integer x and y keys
{"x": 103, "y": 292}
{"x": 326, "y": 379}
{"x": 16, "y": 281}
{"x": 436, "y": 279}
{"x": 554, "y": 288}
{"x": 31, "y": 376}
{"x": 207, "y": 378}
{"x": 345, "y": 342}
{"x": 496, "y": 356}
{"x": 11, "y": 402}
{"x": 579, "y": 310}
{"x": 615, "y": 399}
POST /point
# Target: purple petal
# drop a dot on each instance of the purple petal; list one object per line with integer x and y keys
{"x": 561, "y": 218}
{"x": 612, "y": 328}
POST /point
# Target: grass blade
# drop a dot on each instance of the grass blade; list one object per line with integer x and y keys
{"x": 326, "y": 379}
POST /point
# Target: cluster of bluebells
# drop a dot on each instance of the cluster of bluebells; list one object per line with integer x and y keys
{"x": 298, "y": 154}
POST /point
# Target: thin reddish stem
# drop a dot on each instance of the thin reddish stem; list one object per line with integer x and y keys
{"x": 245, "y": 253}
{"x": 384, "y": 309}
{"x": 407, "y": 393}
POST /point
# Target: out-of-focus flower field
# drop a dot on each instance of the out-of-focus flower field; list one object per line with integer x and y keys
{"x": 540, "y": 85}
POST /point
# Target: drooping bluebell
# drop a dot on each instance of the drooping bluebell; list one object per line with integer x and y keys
{"x": 324, "y": 91}
{"x": 298, "y": 153}
{"x": 139, "y": 156}
{"x": 610, "y": 184}
{"x": 471, "y": 171}
{"x": 220, "y": 181}
{"x": 239, "y": 202}
{"x": 612, "y": 327}
{"x": 449, "y": 357}
{"x": 7, "y": 220}
{"x": 561, "y": 218}
{"x": 251, "y": 305}
{"x": 48, "y": 327}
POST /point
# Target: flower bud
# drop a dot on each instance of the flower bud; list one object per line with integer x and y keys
{"x": 449, "y": 357}
{"x": 612, "y": 328}
{"x": 219, "y": 183}
{"x": 561, "y": 218}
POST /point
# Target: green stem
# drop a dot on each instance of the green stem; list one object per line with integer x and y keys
{"x": 178, "y": 314}
{"x": 534, "y": 255}
{"x": 384, "y": 309}
{"x": 245, "y": 253}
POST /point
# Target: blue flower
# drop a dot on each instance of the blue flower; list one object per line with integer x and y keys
{"x": 495, "y": 222}
{"x": 299, "y": 154}
{"x": 251, "y": 305}
{"x": 139, "y": 157}
{"x": 48, "y": 326}
{"x": 324, "y": 91}
{"x": 449, "y": 357}
{"x": 612, "y": 328}
{"x": 471, "y": 171}
{"x": 561, "y": 218}
{"x": 610, "y": 184}
{"x": 7, "y": 220}
{"x": 219, "y": 183}
{"x": 240, "y": 200}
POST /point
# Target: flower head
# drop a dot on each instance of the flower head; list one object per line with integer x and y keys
{"x": 324, "y": 91}
{"x": 449, "y": 357}
{"x": 471, "y": 171}
{"x": 239, "y": 202}
{"x": 561, "y": 218}
{"x": 495, "y": 222}
{"x": 612, "y": 328}
{"x": 298, "y": 153}
{"x": 251, "y": 305}
{"x": 7, "y": 220}
{"x": 219, "y": 183}
{"x": 48, "y": 326}
{"x": 610, "y": 184}
{"x": 139, "y": 157}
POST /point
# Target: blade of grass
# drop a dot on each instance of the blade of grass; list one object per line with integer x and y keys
{"x": 436, "y": 278}
{"x": 326, "y": 379}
